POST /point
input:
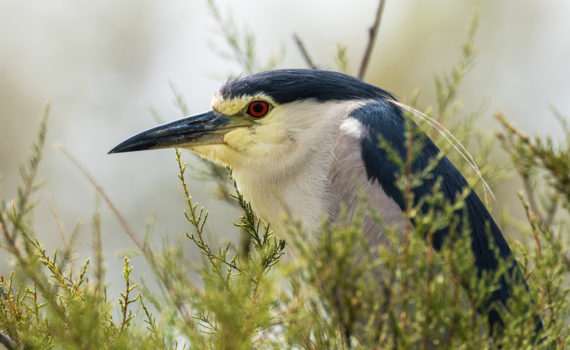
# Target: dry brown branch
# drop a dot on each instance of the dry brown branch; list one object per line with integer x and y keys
{"x": 128, "y": 229}
{"x": 59, "y": 222}
{"x": 530, "y": 215}
{"x": 372, "y": 33}
{"x": 551, "y": 211}
{"x": 532, "y": 198}
{"x": 303, "y": 51}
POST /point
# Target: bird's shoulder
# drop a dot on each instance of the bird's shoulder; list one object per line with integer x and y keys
{"x": 350, "y": 185}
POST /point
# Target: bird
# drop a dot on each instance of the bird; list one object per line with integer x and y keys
{"x": 306, "y": 142}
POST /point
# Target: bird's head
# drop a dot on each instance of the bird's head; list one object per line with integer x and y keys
{"x": 263, "y": 117}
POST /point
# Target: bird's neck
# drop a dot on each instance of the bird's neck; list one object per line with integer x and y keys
{"x": 297, "y": 183}
{"x": 297, "y": 190}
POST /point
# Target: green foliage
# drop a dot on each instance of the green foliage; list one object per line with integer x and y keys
{"x": 331, "y": 291}
{"x": 334, "y": 292}
{"x": 241, "y": 44}
{"x": 341, "y": 60}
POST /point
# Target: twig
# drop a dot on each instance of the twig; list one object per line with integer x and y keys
{"x": 124, "y": 300}
{"x": 195, "y": 220}
{"x": 530, "y": 215}
{"x": 98, "y": 247}
{"x": 531, "y": 198}
{"x": 9, "y": 238}
{"x": 551, "y": 212}
{"x": 303, "y": 51}
{"x": 372, "y": 33}
{"x": 549, "y": 164}
{"x": 59, "y": 222}
{"x": 7, "y": 342}
{"x": 132, "y": 234}
{"x": 30, "y": 169}
{"x": 242, "y": 52}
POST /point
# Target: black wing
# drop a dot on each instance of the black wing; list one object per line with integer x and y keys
{"x": 385, "y": 119}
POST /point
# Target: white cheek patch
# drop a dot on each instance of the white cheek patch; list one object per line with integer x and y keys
{"x": 352, "y": 127}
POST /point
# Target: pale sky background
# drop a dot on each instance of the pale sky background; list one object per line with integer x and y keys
{"x": 103, "y": 63}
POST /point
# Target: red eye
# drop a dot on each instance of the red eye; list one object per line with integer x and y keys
{"x": 258, "y": 109}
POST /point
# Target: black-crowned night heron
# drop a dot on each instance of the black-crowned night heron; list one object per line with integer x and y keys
{"x": 307, "y": 140}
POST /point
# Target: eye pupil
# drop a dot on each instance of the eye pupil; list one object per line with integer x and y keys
{"x": 258, "y": 109}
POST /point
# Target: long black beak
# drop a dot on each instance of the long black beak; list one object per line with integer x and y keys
{"x": 202, "y": 129}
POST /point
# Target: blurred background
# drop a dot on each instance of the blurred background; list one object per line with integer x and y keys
{"x": 104, "y": 64}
